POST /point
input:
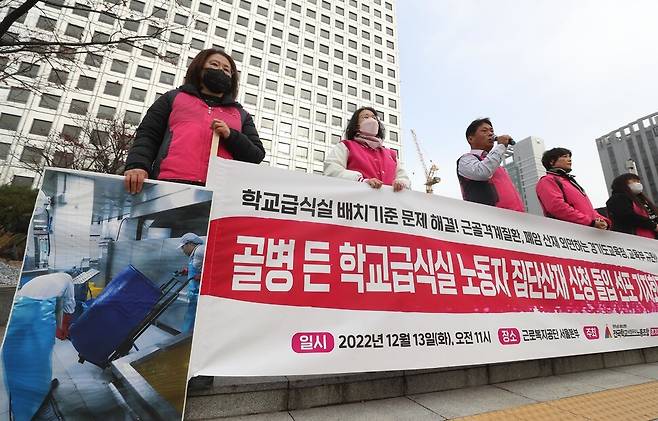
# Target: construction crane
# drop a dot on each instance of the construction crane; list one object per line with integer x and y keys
{"x": 430, "y": 178}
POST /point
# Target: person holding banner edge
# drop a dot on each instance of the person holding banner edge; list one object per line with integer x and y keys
{"x": 481, "y": 178}
{"x": 362, "y": 156}
{"x": 561, "y": 197}
{"x": 173, "y": 141}
{"x": 630, "y": 209}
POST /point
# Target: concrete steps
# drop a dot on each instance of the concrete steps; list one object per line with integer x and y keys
{"x": 231, "y": 396}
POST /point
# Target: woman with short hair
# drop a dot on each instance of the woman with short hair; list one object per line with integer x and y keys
{"x": 173, "y": 141}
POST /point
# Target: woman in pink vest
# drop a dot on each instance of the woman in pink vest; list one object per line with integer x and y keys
{"x": 362, "y": 156}
{"x": 630, "y": 209}
{"x": 561, "y": 197}
{"x": 173, "y": 140}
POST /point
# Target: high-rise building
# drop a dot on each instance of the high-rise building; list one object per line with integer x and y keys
{"x": 305, "y": 66}
{"x": 525, "y": 169}
{"x": 636, "y": 141}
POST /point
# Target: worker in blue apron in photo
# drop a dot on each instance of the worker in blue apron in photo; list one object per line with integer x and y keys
{"x": 192, "y": 246}
{"x": 30, "y": 339}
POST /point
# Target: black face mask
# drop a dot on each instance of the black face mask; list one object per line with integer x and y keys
{"x": 217, "y": 81}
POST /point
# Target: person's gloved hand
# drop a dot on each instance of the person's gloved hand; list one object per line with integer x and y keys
{"x": 63, "y": 331}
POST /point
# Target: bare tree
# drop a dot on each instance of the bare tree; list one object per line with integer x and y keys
{"x": 22, "y": 48}
{"x": 96, "y": 145}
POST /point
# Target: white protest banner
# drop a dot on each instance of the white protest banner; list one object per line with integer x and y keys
{"x": 307, "y": 274}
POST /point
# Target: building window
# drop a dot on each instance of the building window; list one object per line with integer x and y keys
{"x": 167, "y": 78}
{"x": 320, "y": 117}
{"x": 303, "y": 132}
{"x": 301, "y": 152}
{"x": 304, "y": 112}
{"x": 269, "y": 104}
{"x": 32, "y": 155}
{"x": 287, "y": 108}
{"x": 9, "y": 121}
{"x": 394, "y": 136}
{"x": 176, "y": 38}
{"x": 136, "y": 5}
{"x": 86, "y": 83}
{"x": 143, "y": 72}
{"x": 321, "y": 99}
{"x": 336, "y": 121}
{"x": 267, "y": 123}
{"x": 19, "y": 95}
{"x": 41, "y": 127}
{"x": 28, "y": 69}
{"x": 271, "y": 85}
{"x": 78, "y": 107}
{"x": 70, "y": 132}
{"x": 46, "y": 23}
{"x": 250, "y": 99}
{"x": 206, "y": 9}
{"x": 49, "y": 101}
{"x": 93, "y": 60}
{"x": 255, "y": 61}
{"x": 19, "y": 180}
{"x": 106, "y": 112}
{"x": 62, "y": 159}
{"x": 112, "y": 88}
{"x": 392, "y": 103}
{"x": 74, "y": 31}
{"x": 132, "y": 117}
{"x": 98, "y": 137}
{"x": 180, "y": 19}
{"x": 305, "y": 94}
{"x": 4, "y": 150}
{"x": 318, "y": 156}
{"x": 200, "y": 25}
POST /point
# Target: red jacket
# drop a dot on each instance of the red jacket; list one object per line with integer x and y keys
{"x": 563, "y": 198}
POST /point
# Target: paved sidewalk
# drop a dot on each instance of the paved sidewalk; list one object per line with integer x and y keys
{"x": 621, "y": 393}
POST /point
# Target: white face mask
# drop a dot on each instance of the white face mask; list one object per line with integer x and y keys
{"x": 636, "y": 188}
{"x": 369, "y": 126}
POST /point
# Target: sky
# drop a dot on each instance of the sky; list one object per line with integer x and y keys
{"x": 565, "y": 71}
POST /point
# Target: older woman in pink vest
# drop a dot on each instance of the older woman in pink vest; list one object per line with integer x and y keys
{"x": 363, "y": 157}
{"x": 561, "y": 197}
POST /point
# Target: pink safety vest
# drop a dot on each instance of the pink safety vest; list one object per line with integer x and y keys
{"x": 643, "y": 232}
{"x": 508, "y": 196}
{"x": 378, "y": 163}
{"x": 191, "y": 137}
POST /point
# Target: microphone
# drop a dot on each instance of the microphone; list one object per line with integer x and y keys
{"x": 510, "y": 143}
